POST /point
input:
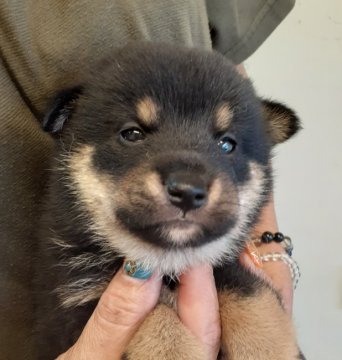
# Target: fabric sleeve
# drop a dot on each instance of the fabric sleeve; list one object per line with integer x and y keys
{"x": 239, "y": 27}
{"x": 24, "y": 154}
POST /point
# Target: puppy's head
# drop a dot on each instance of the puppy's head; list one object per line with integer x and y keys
{"x": 167, "y": 151}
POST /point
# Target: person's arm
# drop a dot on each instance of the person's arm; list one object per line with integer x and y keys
{"x": 277, "y": 273}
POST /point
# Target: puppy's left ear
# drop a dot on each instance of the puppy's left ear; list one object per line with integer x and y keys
{"x": 61, "y": 109}
{"x": 281, "y": 122}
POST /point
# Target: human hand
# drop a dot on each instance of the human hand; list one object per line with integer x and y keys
{"x": 121, "y": 309}
{"x": 126, "y": 303}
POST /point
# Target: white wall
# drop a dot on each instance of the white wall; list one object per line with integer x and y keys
{"x": 301, "y": 64}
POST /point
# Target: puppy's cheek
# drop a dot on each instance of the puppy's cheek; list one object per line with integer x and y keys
{"x": 220, "y": 213}
{"x": 252, "y": 196}
{"x": 215, "y": 193}
{"x": 141, "y": 187}
{"x": 95, "y": 191}
{"x": 155, "y": 188}
{"x": 99, "y": 197}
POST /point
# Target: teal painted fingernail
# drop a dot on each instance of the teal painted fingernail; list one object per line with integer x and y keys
{"x": 134, "y": 270}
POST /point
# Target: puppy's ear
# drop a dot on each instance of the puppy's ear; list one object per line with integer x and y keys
{"x": 282, "y": 122}
{"x": 61, "y": 109}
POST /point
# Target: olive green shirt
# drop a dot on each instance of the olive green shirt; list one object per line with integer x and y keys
{"x": 44, "y": 44}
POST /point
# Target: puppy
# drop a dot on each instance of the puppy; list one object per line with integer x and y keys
{"x": 162, "y": 157}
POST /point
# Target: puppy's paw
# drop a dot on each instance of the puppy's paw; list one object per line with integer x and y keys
{"x": 256, "y": 327}
{"x": 163, "y": 336}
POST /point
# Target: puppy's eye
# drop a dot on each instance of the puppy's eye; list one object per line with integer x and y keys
{"x": 227, "y": 144}
{"x": 132, "y": 135}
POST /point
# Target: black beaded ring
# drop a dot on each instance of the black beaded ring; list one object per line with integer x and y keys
{"x": 268, "y": 237}
{"x": 278, "y": 237}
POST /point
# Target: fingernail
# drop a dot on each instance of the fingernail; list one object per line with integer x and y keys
{"x": 134, "y": 270}
{"x": 252, "y": 252}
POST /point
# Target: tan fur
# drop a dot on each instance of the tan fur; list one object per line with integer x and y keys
{"x": 147, "y": 111}
{"x": 95, "y": 190}
{"x": 155, "y": 188}
{"x": 278, "y": 125}
{"x": 278, "y": 129}
{"x": 215, "y": 193}
{"x": 81, "y": 292}
{"x": 256, "y": 327}
{"x": 162, "y": 336}
{"x": 223, "y": 118}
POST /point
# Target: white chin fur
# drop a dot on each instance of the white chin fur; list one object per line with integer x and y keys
{"x": 175, "y": 261}
{"x": 180, "y": 234}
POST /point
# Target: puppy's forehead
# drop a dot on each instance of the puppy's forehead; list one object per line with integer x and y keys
{"x": 162, "y": 84}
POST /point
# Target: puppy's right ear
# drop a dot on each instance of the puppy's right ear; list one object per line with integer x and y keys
{"x": 61, "y": 109}
{"x": 282, "y": 122}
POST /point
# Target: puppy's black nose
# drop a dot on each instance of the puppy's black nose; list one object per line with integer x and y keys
{"x": 186, "y": 191}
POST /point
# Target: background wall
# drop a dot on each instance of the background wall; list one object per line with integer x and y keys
{"x": 301, "y": 64}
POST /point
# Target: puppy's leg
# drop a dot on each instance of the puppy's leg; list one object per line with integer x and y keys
{"x": 256, "y": 327}
{"x": 163, "y": 336}
{"x": 254, "y": 323}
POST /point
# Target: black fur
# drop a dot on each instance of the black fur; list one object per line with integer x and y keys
{"x": 61, "y": 110}
{"x": 187, "y": 85}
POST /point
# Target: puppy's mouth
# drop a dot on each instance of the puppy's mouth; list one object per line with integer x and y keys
{"x": 185, "y": 229}
{"x": 181, "y": 223}
{"x": 175, "y": 232}
{"x": 180, "y": 220}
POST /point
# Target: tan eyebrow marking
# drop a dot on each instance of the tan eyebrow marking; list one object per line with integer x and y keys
{"x": 147, "y": 111}
{"x": 223, "y": 117}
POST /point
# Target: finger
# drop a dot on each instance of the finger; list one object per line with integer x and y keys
{"x": 267, "y": 220}
{"x": 120, "y": 311}
{"x": 198, "y": 307}
{"x": 277, "y": 274}
{"x": 250, "y": 261}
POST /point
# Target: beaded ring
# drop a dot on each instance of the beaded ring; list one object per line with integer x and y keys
{"x": 134, "y": 270}
{"x": 291, "y": 263}
{"x": 278, "y": 237}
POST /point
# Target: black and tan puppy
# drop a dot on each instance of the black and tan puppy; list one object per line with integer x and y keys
{"x": 162, "y": 156}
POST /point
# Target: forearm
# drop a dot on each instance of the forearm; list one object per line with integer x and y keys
{"x": 277, "y": 272}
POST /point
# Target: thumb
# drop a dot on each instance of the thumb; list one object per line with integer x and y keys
{"x": 120, "y": 311}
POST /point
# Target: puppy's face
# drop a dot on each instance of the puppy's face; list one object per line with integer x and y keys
{"x": 166, "y": 152}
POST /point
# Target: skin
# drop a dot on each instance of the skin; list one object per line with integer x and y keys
{"x": 121, "y": 309}
{"x": 277, "y": 273}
